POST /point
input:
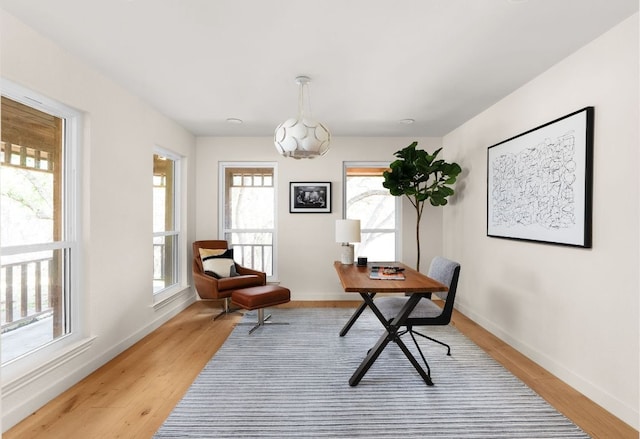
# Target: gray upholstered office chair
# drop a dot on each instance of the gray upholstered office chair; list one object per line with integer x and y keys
{"x": 427, "y": 313}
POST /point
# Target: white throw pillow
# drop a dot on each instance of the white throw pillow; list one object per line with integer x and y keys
{"x": 218, "y": 262}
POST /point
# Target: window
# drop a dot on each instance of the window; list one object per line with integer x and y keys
{"x": 166, "y": 230}
{"x": 247, "y": 210}
{"x": 378, "y": 211}
{"x": 39, "y": 226}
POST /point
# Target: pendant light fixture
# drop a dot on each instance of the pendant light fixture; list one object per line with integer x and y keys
{"x": 302, "y": 137}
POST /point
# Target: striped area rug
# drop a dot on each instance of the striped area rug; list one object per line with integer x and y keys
{"x": 293, "y": 382}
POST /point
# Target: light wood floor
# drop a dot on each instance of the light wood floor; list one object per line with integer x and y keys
{"x": 132, "y": 395}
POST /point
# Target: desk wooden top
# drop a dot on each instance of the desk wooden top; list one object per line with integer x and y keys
{"x": 355, "y": 279}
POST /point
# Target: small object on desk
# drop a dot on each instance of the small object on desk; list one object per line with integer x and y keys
{"x": 362, "y": 261}
{"x": 386, "y": 273}
{"x": 387, "y": 268}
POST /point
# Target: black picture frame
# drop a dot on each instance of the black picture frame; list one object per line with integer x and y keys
{"x": 540, "y": 183}
{"x": 309, "y": 197}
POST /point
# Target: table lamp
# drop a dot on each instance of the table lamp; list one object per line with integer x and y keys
{"x": 347, "y": 231}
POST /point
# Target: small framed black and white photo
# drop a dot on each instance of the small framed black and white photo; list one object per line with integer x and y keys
{"x": 309, "y": 197}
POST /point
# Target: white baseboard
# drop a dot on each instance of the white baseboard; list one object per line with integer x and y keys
{"x": 590, "y": 390}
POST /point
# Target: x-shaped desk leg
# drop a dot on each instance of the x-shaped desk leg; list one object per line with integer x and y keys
{"x": 390, "y": 335}
{"x": 355, "y": 316}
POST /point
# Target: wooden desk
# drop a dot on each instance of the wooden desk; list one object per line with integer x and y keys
{"x": 356, "y": 279}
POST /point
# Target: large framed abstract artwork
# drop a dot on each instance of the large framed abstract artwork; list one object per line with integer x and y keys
{"x": 539, "y": 183}
{"x": 309, "y": 197}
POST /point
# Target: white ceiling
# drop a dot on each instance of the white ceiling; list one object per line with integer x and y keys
{"x": 372, "y": 62}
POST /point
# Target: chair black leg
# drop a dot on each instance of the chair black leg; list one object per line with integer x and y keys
{"x": 434, "y": 340}
{"x": 420, "y": 351}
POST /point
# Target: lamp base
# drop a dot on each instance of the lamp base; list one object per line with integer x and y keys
{"x": 346, "y": 257}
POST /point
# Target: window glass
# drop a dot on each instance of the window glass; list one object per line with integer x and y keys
{"x": 36, "y": 222}
{"x": 378, "y": 211}
{"x": 165, "y": 230}
{"x": 248, "y": 222}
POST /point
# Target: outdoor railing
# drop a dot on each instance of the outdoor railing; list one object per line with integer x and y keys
{"x": 25, "y": 292}
{"x": 256, "y": 256}
{"x": 159, "y": 263}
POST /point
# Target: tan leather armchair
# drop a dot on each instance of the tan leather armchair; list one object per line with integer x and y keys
{"x": 208, "y": 287}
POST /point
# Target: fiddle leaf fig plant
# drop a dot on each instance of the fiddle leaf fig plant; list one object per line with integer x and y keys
{"x": 420, "y": 176}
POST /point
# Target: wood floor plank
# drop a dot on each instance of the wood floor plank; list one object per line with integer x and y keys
{"x": 132, "y": 395}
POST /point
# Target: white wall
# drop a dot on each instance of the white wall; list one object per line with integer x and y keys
{"x": 574, "y": 311}
{"x": 120, "y": 132}
{"x": 306, "y": 245}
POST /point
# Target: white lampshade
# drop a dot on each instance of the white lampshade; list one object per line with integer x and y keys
{"x": 347, "y": 230}
{"x": 302, "y": 137}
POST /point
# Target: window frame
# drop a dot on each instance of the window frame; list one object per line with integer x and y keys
{"x": 222, "y": 196}
{"x": 397, "y": 201}
{"x": 178, "y": 206}
{"x": 19, "y": 370}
